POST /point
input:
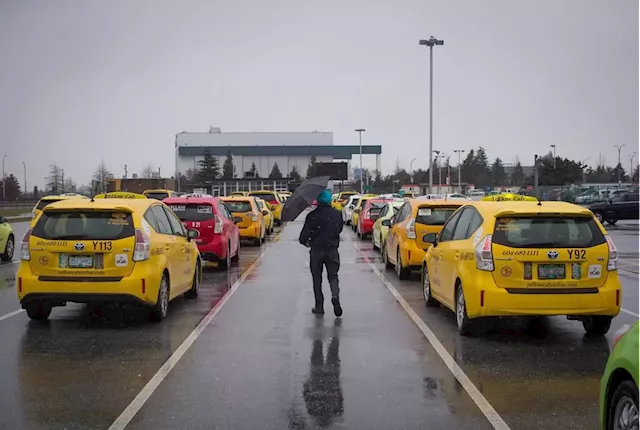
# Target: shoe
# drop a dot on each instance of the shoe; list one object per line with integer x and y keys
{"x": 337, "y": 309}
{"x": 317, "y": 311}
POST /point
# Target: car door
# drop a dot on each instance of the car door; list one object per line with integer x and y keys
{"x": 396, "y": 231}
{"x": 377, "y": 227}
{"x": 184, "y": 249}
{"x": 439, "y": 262}
{"x": 167, "y": 239}
{"x": 631, "y": 207}
{"x": 458, "y": 251}
{"x": 229, "y": 228}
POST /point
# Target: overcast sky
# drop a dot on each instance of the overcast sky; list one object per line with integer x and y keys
{"x": 82, "y": 80}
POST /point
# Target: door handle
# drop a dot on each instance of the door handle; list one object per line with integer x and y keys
{"x": 167, "y": 246}
{"x": 457, "y": 255}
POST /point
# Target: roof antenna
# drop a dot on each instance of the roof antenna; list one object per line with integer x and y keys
{"x": 539, "y": 203}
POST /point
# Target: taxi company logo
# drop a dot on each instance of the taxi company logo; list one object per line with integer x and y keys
{"x": 531, "y": 252}
{"x": 506, "y": 271}
{"x": 78, "y": 246}
{"x": 552, "y": 255}
{"x": 43, "y": 260}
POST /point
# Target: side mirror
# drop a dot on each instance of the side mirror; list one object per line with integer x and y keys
{"x": 237, "y": 219}
{"x": 3, "y": 219}
{"x": 192, "y": 233}
{"x": 386, "y": 223}
{"x": 265, "y": 212}
{"x": 430, "y": 238}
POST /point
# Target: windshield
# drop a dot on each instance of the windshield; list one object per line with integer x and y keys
{"x": 434, "y": 215}
{"x": 547, "y": 232}
{"x": 238, "y": 206}
{"x": 44, "y": 203}
{"x": 270, "y": 197}
{"x": 84, "y": 225}
{"x": 157, "y": 195}
{"x": 193, "y": 212}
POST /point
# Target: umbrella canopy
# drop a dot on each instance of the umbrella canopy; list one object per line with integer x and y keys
{"x": 303, "y": 196}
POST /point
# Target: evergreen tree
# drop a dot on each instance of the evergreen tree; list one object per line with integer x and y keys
{"x": 311, "y": 170}
{"x": 275, "y": 172}
{"x": 208, "y": 169}
{"x": 228, "y": 169}
{"x": 517, "y": 177}
{"x": 498, "y": 175}
{"x": 634, "y": 176}
{"x": 254, "y": 171}
{"x": 294, "y": 175}
{"x": 482, "y": 172}
{"x": 11, "y": 186}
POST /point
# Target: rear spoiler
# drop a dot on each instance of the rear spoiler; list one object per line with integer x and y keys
{"x": 580, "y": 213}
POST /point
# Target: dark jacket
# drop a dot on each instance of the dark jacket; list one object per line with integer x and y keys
{"x": 322, "y": 228}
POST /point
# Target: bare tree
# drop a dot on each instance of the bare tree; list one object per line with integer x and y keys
{"x": 54, "y": 180}
{"x": 100, "y": 177}
{"x": 70, "y": 185}
{"x": 148, "y": 171}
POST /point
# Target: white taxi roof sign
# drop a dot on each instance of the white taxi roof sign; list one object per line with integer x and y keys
{"x": 119, "y": 195}
{"x": 509, "y": 197}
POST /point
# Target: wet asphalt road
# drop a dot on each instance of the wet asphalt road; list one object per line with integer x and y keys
{"x": 266, "y": 362}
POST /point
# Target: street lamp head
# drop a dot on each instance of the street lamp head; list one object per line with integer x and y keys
{"x": 360, "y": 130}
{"x": 432, "y": 41}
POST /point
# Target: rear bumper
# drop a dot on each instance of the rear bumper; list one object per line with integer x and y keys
{"x": 253, "y": 232}
{"x": 510, "y": 302}
{"x": 412, "y": 256}
{"x": 213, "y": 251}
{"x": 366, "y": 227}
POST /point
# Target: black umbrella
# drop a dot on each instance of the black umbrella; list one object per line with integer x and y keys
{"x": 303, "y": 196}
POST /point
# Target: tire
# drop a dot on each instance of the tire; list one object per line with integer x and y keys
{"x": 8, "y": 249}
{"x": 195, "y": 284}
{"x": 385, "y": 258}
{"x": 226, "y": 264}
{"x": 624, "y": 397}
{"x": 236, "y": 258}
{"x": 160, "y": 309}
{"x": 257, "y": 242}
{"x": 429, "y": 301}
{"x": 373, "y": 242}
{"x": 38, "y": 311}
{"x": 462, "y": 320}
{"x": 599, "y": 216}
{"x": 597, "y": 326}
{"x": 402, "y": 273}
{"x": 612, "y": 221}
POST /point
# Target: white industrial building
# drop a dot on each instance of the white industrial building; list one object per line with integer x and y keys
{"x": 288, "y": 149}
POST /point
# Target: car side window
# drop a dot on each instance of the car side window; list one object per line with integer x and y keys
{"x": 404, "y": 211}
{"x": 151, "y": 219}
{"x": 176, "y": 226}
{"x": 447, "y": 230}
{"x": 462, "y": 227}
{"x": 384, "y": 211}
{"x": 476, "y": 222}
{"x": 164, "y": 227}
{"x": 224, "y": 211}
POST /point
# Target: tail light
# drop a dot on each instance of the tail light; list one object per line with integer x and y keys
{"x": 142, "y": 247}
{"x": 411, "y": 229}
{"x": 254, "y": 217}
{"x": 273, "y": 202}
{"x": 25, "y": 253}
{"x": 217, "y": 228}
{"x": 367, "y": 215}
{"x": 613, "y": 254}
{"x": 484, "y": 256}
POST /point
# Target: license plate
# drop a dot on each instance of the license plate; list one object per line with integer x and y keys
{"x": 551, "y": 271}
{"x": 80, "y": 262}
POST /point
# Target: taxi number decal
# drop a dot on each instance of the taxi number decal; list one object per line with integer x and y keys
{"x": 102, "y": 246}
{"x": 577, "y": 254}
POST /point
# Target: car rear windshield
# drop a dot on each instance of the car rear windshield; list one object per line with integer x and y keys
{"x": 240, "y": 206}
{"x": 355, "y": 202}
{"x": 547, "y": 232}
{"x": 265, "y": 196}
{"x": 44, "y": 203}
{"x": 374, "y": 212}
{"x": 157, "y": 196}
{"x": 79, "y": 225}
{"x": 434, "y": 215}
{"x": 193, "y": 212}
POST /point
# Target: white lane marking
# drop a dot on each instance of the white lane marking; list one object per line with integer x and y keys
{"x": 483, "y": 404}
{"x": 10, "y": 314}
{"x": 138, "y": 402}
{"x": 630, "y": 313}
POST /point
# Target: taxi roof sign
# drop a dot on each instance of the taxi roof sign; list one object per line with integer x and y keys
{"x": 509, "y": 197}
{"x": 119, "y": 195}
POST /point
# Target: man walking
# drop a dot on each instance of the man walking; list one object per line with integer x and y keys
{"x": 321, "y": 233}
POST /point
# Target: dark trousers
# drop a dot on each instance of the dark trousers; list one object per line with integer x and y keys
{"x": 318, "y": 259}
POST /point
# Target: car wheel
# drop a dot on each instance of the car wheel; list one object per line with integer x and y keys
{"x": 622, "y": 412}
{"x": 8, "y": 249}
{"x": 160, "y": 309}
{"x": 195, "y": 284}
{"x": 462, "y": 320}
{"x": 224, "y": 265}
{"x": 598, "y": 325}
{"x": 38, "y": 311}
{"x": 426, "y": 289}
{"x": 385, "y": 258}
{"x": 236, "y": 258}
{"x": 599, "y": 216}
{"x": 612, "y": 221}
{"x": 373, "y": 241}
{"x": 257, "y": 242}
{"x": 402, "y": 272}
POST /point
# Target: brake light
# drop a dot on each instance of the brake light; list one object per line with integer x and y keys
{"x": 484, "y": 256}
{"x": 254, "y": 217}
{"x": 142, "y": 247}
{"x": 217, "y": 228}
{"x": 25, "y": 253}
{"x": 411, "y": 229}
{"x": 613, "y": 254}
{"x": 273, "y": 202}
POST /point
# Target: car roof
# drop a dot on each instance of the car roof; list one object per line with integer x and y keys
{"x": 527, "y": 207}
{"x": 131, "y": 204}
{"x": 184, "y": 200}
{"x": 262, "y": 192}
{"x": 436, "y": 202}
{"x": 61, "y": 197}
{"x": 248, "y": 199}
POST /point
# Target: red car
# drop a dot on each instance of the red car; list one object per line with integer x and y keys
{"x": 219, "y": 240}
{"x": 369, "y": 215}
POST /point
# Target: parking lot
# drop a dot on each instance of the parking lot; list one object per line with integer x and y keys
{"x": 249, "y": 354}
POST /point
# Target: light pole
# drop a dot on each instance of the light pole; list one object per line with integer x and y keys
{"x": 24, "y": 165}
{"x": 411, "y": 169}
{"x": 619, "y": 148}
{"x": 4, "y": 189}
{"x": 631, "y": 165}
{"x": 459, "y": 151}
{"x": 431, "y": 42}
{"x": 554, "y": 155}
{"x": 360, "y": 130}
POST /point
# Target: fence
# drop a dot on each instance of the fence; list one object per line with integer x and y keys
{"x": 17, "y": 204}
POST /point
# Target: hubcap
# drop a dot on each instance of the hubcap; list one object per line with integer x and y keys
{"x": 9, "y": 249}
{"x": 626, "y": 414}
{"x": 600, "y": 217}
{"x": 196, "y": 278}
{"x": 425, "y": 284}
{"x": 460, "y": 309}
{"x": 164, "y": 299}
{"x": 398, "y": 264}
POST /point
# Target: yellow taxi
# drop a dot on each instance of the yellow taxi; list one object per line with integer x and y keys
{"x": 523, "y": 258}
{"x": 239, "y": 194}
{"x": 159, "y": 194}
{"x": 43, "y": 202}
{"x": 269, "y": 220}
{"x": 251, "y": 222}
{"x": 341, "y": 199}
{"x": 356, "y": 210}
{"x": 132, "y": 250}
{"x": 273, "y": 201}
{"x": 416, "y": 217}
{"x": 380, "y": 230}
{"x": 7, "y": 240}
